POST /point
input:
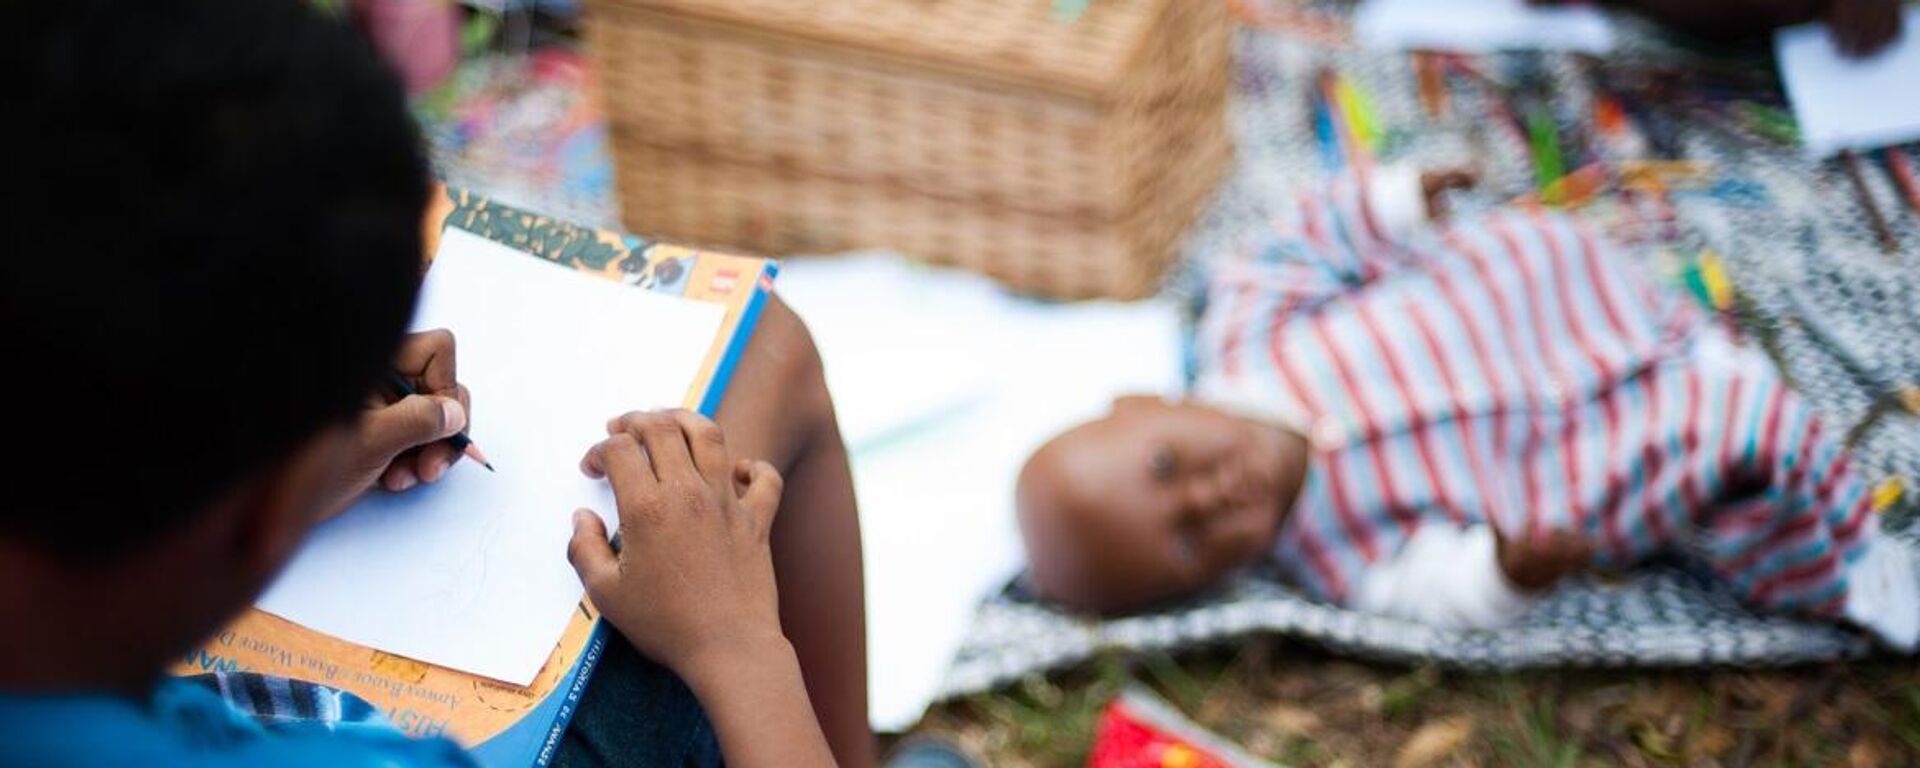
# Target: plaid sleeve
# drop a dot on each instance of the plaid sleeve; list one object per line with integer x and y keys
{"x": 278, "y": 703}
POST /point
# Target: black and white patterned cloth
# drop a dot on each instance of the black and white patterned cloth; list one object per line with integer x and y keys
{"x": 1663, "y": 616}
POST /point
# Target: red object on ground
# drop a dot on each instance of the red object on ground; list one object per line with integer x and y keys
{"x": 1141, "y": 731}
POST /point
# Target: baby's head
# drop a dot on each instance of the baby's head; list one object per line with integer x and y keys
{"x": 1153, "y": 501}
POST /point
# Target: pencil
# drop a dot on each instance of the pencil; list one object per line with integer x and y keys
{"x": 459, "y": 441}
{"x": 1874, "y": 218}
{"x": 1902, "y": 171}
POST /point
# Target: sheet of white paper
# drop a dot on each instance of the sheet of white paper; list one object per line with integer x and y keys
{"x": 936, "y": 490}
{"x": 1481, "y": 26}
{"x": 1843, "y": 103}
{"x": 471, "y": 573}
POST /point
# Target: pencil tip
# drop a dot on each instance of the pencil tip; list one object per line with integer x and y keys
{"x": 473, "y": 452}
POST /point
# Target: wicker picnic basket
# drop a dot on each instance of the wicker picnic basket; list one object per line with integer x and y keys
{"x": 1064, "y": 157}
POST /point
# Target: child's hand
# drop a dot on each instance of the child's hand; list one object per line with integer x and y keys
{"x": 1435, "y": 185}
{"x": 418, "y": 425}
{"x": 1538, "y": 563}
{"x": 402, "y": 444}
{"x": 1862, "y": 27}
{"x": 693, "y": 579}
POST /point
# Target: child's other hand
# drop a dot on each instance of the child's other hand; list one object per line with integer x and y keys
{"x": 1538, "y": 563}
{"x": 693, "y": 579}
{"x": 1435, "y": 185}
{"x": 1860, "y": 28}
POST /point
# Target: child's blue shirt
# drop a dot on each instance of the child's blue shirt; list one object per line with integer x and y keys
{"x": 233, "y": 720}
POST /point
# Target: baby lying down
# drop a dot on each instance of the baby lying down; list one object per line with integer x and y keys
{"x": 1439, "y": 423}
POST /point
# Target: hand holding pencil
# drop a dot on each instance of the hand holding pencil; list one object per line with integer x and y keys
{"x": 458, "y": 441}
{"x": 416, "y": 429}
{"x": 413, "y": 430}
{"x": 422, "y": 428}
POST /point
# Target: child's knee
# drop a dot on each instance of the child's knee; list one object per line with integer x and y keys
{"x": 777, "y": 402}
{"x": 794, "y": 361}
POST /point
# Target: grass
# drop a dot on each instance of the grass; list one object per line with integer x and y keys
{"x": 1302, "y": 707}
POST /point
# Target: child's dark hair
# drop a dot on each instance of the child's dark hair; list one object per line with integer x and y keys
{"x": 212, "y": 245}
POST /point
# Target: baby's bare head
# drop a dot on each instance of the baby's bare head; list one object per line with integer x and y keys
{"x": 1153, "y": 501}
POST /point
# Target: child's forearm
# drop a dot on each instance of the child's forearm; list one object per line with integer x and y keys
{"x": 754, "y": 695}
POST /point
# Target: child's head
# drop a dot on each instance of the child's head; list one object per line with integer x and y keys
{"x": 213, "y": 240}
{"x": 1153, "y": 501}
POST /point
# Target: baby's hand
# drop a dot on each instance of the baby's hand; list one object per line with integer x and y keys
{"x": 1435, "y": 184}
{"x": 1540, "y": 562}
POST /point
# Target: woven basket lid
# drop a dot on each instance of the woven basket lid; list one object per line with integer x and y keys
{"x": 1018, "y": 41}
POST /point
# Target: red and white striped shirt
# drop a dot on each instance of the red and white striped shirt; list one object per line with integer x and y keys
{"x": 1515, "y": 371}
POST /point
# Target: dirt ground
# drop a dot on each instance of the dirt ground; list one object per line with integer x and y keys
{"x": 1303, "y": 707}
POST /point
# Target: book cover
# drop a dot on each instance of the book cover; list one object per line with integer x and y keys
{"x": 506, "y": 725}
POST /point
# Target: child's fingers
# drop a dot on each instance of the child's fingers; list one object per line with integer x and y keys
{"x": 433, "y": 460}
{"x": 619, "y": 424}
{"x": 439, "y": 456}
{"x": 428, "y": 358}
{"x": 707, "y": 445}
{"x": 666, "y": 445}
{"x": 595, "y": 462}
{"x": 399, "y": 476}
{"x": 591, "y": 463}
{"x": 672, "y": 438}
{"x": 1456, "y": 177}
{"x": 592, "y": 555}
{"x": 763, "y": 488}
{"x": 663, "y": 437}
{"x": 465, "y": 397}
{"x": 411, "y": 422}
{"x": 630, "y": 472}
